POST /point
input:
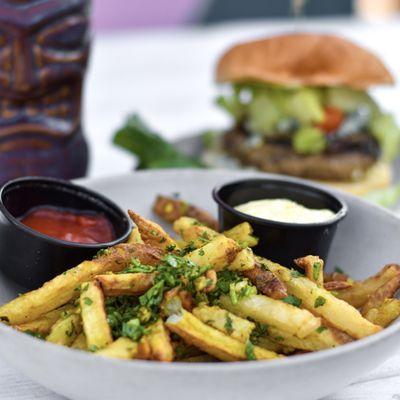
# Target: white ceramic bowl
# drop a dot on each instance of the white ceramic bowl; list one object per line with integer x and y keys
{"x": 365, "y": 241}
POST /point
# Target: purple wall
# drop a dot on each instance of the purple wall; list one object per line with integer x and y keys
{"x": 124, "y": 14}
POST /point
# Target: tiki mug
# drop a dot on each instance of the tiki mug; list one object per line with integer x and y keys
{"x": 44, "y": 46}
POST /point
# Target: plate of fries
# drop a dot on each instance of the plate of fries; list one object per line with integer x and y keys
{"x": 184, "y": 309}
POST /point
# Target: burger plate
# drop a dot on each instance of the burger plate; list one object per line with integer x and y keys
{"x": 365, "y": 241}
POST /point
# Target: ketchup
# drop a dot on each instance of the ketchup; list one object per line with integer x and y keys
{"x": 70, "y": 225}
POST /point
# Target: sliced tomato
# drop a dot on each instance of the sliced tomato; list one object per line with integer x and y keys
{"x": 332, "y": 119}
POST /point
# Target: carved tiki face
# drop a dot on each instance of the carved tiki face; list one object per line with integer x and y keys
{"x": 44, "y": 48}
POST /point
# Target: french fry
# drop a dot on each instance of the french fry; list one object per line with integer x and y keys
{"x": 171, "y": 209}
{"x": 320, "y": 339}
{"x": 226, "y": 322}
{"x": 211, "y": 340}
{"x": 243, "y": 234}
{"x": 266, "y": 343}
{"x": 65, "y": 330}
{"x": 95, "y": 325}
{"x": 80, "y": 342}
{"x": 193, "y": 232}
{"x": 385, "y": 313}
{"x": 152, "y": 233}
{"x": 132, "y": 284}
{"x": 61, "y": 289}
{"x": 123, "y": 348}
{"x": 358, "y": 294}
{"x": 160, "y": 343}
{"x": 218, "y": 253}
{"x": 313, "y": 267}
{"x": 135, "y": 237}
{"x": 321, "y": 302}
{"x": 386, "y": 291}
{"x": 277, "y": 313}
{"x": 43, "y": 324}
{"x": 244, "y": 260}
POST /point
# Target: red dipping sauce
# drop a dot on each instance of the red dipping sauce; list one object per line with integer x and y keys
{"x": 70, "y": 225}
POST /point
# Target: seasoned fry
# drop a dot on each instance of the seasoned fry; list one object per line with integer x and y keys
{"x": 133, "y": 284}
{"x": 80, "y": 342}
{"x": 193, "y": 232}
{"x": 337, "y": 285}
{"x": 65, "y": 330}
{"x": 135, "y": 237}
{"x": 313, "y": 266}
{"x": 243, "y": 261}
{"x": 218, "y": 253}
{"x": 385, "y": 313}
{"x": 95, "y": 325}
{"x": 171, "y": 209}
{"x": 226, "y": 322}
{"x": 123, "y": 348}
{"x": 212, "y": 341}
{"x": 64, "y": 287}
{"x": 243, "y": 234}
{"x": 273, "y": 312}
{"x": 266, "y": 282}
{"x": 359, "y": 292}
{"x": 160, "y": 343}
{"x": 152, "y": 233}
{"x": 43, "y": 324}
{"x": 321, "y": 302}
{"x": 387, "y": 290}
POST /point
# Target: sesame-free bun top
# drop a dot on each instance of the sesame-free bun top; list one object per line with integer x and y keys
{"x": 303, "y": 59}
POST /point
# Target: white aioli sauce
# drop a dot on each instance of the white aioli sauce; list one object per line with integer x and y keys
{"x": 284, "y": 210}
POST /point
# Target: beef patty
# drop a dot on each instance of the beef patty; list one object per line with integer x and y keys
{"x": 346, "y": 159}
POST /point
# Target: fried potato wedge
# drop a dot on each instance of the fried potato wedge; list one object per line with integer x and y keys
{"x": 357, "y": 295}
{"x": 243, "y": 234}
{"x": 43, "y": 324}
{"x": 226, "y": 322}
{"x": 65, "y": 330}
{"x": 211, "y": 340}
{"x": 123, "y": 348}
{"x": 61, "y": 289}
{"x": 386, "y": 291}
{"x": 321, "y": 302}
{"x": 313, "y": 267}
{"x": 151, "y": 233}
{"x": 80, "y": 342}
{"x": 218, "y": 253}
{"x": 266, "y": 282}
{"x": 277, "y": 313}
{"x": 244, "y": 260}
{"x": 160, "y": 343}
{"x": 132, "y": 284}
{"x": 193, "y": 232}
{"x": 135, "y": 237}
{"x": 171, "y": 209}
{"x": 94, "y": 318}
{"x": 385, "y": 313}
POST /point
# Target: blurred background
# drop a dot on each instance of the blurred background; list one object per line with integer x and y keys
{"x": 157, "y": 57}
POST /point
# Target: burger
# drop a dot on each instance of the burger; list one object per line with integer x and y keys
{"x": 300, "y": 106}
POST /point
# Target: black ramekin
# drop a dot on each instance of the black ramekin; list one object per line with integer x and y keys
{"x": 281, "y": 242}
{"x": 29, "y": 257}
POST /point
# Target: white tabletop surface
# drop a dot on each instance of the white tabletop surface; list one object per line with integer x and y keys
{"x": 167, "y": 76}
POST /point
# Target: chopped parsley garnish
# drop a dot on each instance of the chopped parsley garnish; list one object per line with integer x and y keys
{"x": 319, "y": 301}
{"x": 279, "y": 338}
{"x": 320, "y": 329}
{"x": 171, "y": 247}
{"x": 316, "y": 270}
{"x": 259, "y": 331}
{"x": 293, "y": 300}
{"x": 201, "y": 252}
{"x": 228, "y": 325}
{"x": 35, "y": 334}
{"x": 250, "y": 351}
{"x": 88, "y": 301}
{"x": 133, "y": 329}
{"x": 93, "y": 348}
{"x": 136, "y": 266}
{"x": 100, "y": 253}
